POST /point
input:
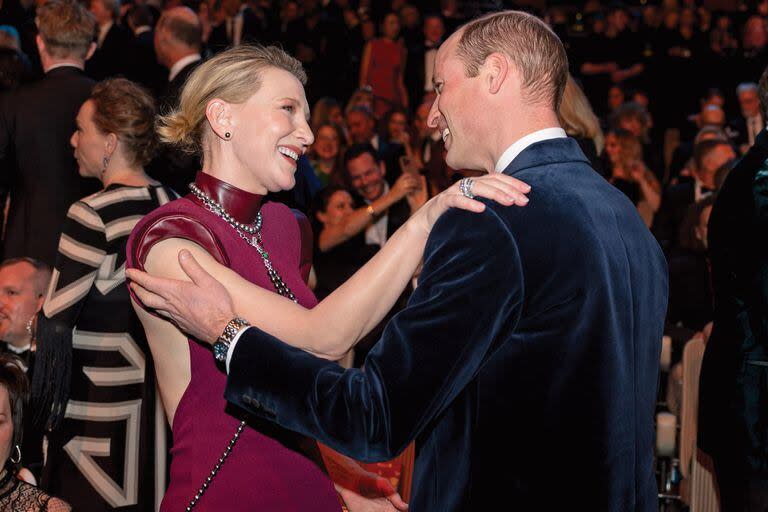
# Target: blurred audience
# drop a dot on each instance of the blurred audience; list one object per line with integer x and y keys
{"x": 627, "y": 171}
{"x": 15, "y": 493}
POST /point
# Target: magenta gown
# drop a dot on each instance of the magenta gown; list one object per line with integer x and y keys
{"x": 264, "y": 471}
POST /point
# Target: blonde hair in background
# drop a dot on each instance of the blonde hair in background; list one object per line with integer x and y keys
{"x": 232, "y": 76}
{"x": 630, "y": 148}
{"x": 66, "y": 28}
{"x": 577, "y": 117}
{"x": 534, "y": 49}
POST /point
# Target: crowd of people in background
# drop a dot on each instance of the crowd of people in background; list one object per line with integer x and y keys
{"x": 663, "y": 100}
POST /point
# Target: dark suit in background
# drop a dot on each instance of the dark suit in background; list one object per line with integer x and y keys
{"x": 144, "y": 66}
{"x": 525, "y": 364}
{"x": 413, "y": 75}
{"x": 253, "y": 31}
{"x": 733, "y": 395}
{"x": 674, "y": 205}
{"x": 172, "y": 167}
{"x": 37, "y": 121}
{"x": 111, "y": 58}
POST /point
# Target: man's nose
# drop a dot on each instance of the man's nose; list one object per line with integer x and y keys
{"x": 434, "y": 115}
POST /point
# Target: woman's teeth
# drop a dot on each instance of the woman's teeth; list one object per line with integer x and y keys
{"x": 287, "y": 152}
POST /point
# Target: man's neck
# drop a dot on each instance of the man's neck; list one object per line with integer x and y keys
{"x": 49, "y": 64}
{"x": 140, "y": 30}
{"x": 514, "y": 132}
{"x": 181, "y": 62}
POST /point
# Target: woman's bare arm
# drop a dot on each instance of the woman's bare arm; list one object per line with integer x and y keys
{"x": 331, "y": 328}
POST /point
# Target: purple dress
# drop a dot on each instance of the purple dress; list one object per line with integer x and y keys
{"x": 265, "y": 470}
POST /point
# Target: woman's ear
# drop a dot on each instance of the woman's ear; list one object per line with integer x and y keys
{"x": 219, "y": 115}
{"x": 110, "y": 144}
{"x": 322, "y": 217}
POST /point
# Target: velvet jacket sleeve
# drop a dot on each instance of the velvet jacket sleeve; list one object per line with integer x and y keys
{"x": 467, "y": 304}
{"x": 760, "y": 284}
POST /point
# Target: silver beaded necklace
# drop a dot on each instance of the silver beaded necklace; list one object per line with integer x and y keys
{"x": 244, "y": 230}
{"x": 254, "y": 240}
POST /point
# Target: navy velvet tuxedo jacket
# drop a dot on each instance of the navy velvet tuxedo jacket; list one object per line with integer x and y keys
{"x": 525, "y": 364}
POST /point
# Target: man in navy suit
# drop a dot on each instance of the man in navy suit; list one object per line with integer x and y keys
{"x": 525, "y": 363}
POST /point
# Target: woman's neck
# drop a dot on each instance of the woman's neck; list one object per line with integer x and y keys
{"x": 225, "y": 166}
{"x": 133, "y": 177}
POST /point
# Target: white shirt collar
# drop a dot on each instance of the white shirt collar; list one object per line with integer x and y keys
{"x": 140, "y": 30}
{"x": 523, "y": 142}
{"x": 19, "y": 350}
{"x": 77, "y": 65}
{"x": 181, "y": 64}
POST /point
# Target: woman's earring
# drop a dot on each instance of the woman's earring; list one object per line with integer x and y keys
{"x": 227, "y": 135}
{"x": 105, "y": 163}
{"x": 29, "y": 326}
{"x": 17, "y": 452}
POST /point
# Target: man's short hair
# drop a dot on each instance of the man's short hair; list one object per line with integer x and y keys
{"x": 704, "y": 148}
{"x": 42, "y": 272}
{"x": 534, "y": 49}
{"x": 66, "y": 27}
{"x": 182, "y": 31}
{"x": 112, "y": 6}
{"x": 746, "y": 87}
{"x": 139, "y": 16}
{"x": 363, "y": 109}
{"x": 358, "y": 150}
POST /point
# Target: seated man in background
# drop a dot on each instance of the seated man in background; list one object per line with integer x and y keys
{"x": 23, "y": 283}
{"x": 376, "y": 212}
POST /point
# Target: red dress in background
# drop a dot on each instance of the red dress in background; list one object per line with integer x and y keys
{"x": 384, "y": 68}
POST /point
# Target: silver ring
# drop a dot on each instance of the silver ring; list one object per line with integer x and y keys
{"x": 465, "y": 186}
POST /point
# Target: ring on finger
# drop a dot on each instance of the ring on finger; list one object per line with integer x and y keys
{"x": 465, "y": 186}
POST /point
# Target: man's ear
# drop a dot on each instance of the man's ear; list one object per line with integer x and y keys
{"x": 40, "y": 44}
{"x": 91, "y": 50}
{"x": 496, "y": 68}
{"x": 382, "y": 168}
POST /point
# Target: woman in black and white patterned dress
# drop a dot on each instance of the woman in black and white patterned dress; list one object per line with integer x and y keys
{"x": 95, "y": 380}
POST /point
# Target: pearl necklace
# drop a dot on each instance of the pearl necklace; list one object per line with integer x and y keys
{"x": 243, "y": 230}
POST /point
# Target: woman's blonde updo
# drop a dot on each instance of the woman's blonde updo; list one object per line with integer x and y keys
{"x": 233, "y": 76}
{"x": 126, "y": 109}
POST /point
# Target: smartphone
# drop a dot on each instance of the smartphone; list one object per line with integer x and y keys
{"x": 406, "y": 165}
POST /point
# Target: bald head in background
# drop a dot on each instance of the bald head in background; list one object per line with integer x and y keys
{"x": 178, "y": 34}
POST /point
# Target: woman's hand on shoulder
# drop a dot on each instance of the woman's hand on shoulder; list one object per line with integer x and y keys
{"x": 498, "y": 187}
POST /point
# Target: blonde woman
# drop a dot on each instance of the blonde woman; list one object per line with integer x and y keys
{"x": 580, "y": 122}
{"x": 246, "y": 110}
